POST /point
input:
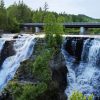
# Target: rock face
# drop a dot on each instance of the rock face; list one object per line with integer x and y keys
{"x": 74, "y": 47}
{"x": 59, "y": 73}
{"x": 16, "y": 36}
{"x": 7, "y": 51}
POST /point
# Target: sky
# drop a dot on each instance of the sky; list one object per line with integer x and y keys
{"x": 88, "y": 7}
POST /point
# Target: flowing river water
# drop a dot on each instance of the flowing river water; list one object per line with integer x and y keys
{"x": 19, "y": 49}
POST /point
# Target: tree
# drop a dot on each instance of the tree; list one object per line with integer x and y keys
{"x": 59, "y": 30}
{"x": 18, "y": 13}
{"x": 49, "y": 29}
{"x": 38, "y": 16}
{"x": 21, "y": 12}
{"x": 24, "y": 13}
{"x": 2, "y": 4}
{"x": 3, "y": 16}
{"x": 53, "y": 29}
{"x": 13, "y": 23}
{"x": 46, "y": 7}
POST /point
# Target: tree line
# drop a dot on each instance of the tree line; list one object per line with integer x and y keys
{"x": 11, "y": 17}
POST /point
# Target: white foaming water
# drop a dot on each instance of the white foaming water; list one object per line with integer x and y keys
{"x": 23, "y": 47}
{"x": 85, "y": 76}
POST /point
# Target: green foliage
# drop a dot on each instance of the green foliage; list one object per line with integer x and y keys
{"x": 21, "y": 12}
{"x": 59, "y": 30}
{"x": 38, "y": 16}
{"x": 49, "y": 29}
{"x": 50, "y": 22}
{"x": 16, "y": 14}
{"x": 2, "y": 4}
{"x": 26, "y": 91}
{"x": 31, "y": 92}
{"x": 80, "y": 96}
{"x": 53, "y": 30}
{"x": 41, "y": 68}
{"x": 3, "y": 16}
{"x": 15, "y": 89}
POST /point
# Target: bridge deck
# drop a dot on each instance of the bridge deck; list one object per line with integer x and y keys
{"x": 67, "y": 25}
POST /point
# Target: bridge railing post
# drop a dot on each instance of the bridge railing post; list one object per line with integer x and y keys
{"x": 37, "y": 29}
{"x": 83, "y": 31}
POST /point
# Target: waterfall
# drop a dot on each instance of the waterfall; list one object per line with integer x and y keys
{"x": 22, "y": 47}
{"x": 1, "y": 44}
{"x": 83, "y": 76}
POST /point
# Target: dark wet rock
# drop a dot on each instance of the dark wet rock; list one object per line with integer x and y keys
{"x": 97, "y": 98}
{"x": 68, "y": 46}
{"x": 16, "y": 36}
{"x": 74, "y": 47}
{"x": 5, "y": 96}
{"x": 7, "y": 51}
{"x": 59, "y": 73}
{"x": 79, "y": 48}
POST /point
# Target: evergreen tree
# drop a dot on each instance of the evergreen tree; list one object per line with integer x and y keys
{"x": 3, "y": 16}
{"x": 49, "y": 29}
{"x": 46, "y": 7}
{"x": 53, "y": 29}
{"x": 1, "y": 4}
{"x": 59, "y": 30}
{"x": 38, "y": 16}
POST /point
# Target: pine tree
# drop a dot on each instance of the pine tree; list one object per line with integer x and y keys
{"x": 1, "y": 4}
{"x": 46, "y": 7}
{"x": 49, "y": 29}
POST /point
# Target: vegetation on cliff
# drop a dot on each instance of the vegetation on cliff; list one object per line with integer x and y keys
{"x": 80, "y": 96}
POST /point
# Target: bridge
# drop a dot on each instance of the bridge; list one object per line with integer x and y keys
{"x": 82, "y": 25}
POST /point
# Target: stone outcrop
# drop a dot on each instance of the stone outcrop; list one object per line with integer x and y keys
{"x": 16, "y": 36}
{"x": 74, "y": 47}
{"x": 59, "y": 73}
{"x": 7, "y": 51}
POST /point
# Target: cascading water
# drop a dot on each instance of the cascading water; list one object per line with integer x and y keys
{"x": 22, "y": 47}
{"x": 1, "y": 44}
{"x": 84, "y": 74}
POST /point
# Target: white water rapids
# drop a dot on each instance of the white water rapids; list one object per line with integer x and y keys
{"x": 23, "y": 47}
{"x": 85, "y": 76}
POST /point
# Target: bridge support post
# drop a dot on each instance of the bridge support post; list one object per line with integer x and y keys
{"x": 37, "y": 29}
{"x": 83, "y": 31}
{"x": 25, "y": 29}
{"x": 30, "y": 29}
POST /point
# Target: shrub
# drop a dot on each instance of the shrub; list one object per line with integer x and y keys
{"x": 41, "y": 67}
{"x": 80, "y": 96}
{"x": 31, "y": 92}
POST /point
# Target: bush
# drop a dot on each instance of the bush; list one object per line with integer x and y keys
{"x": 41, "y": 67}
{"x": 26, "y": 91}
{"x": 80, "y": 96}
{"x": 31, "y": 92}
{"x": 14, "y": 89}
